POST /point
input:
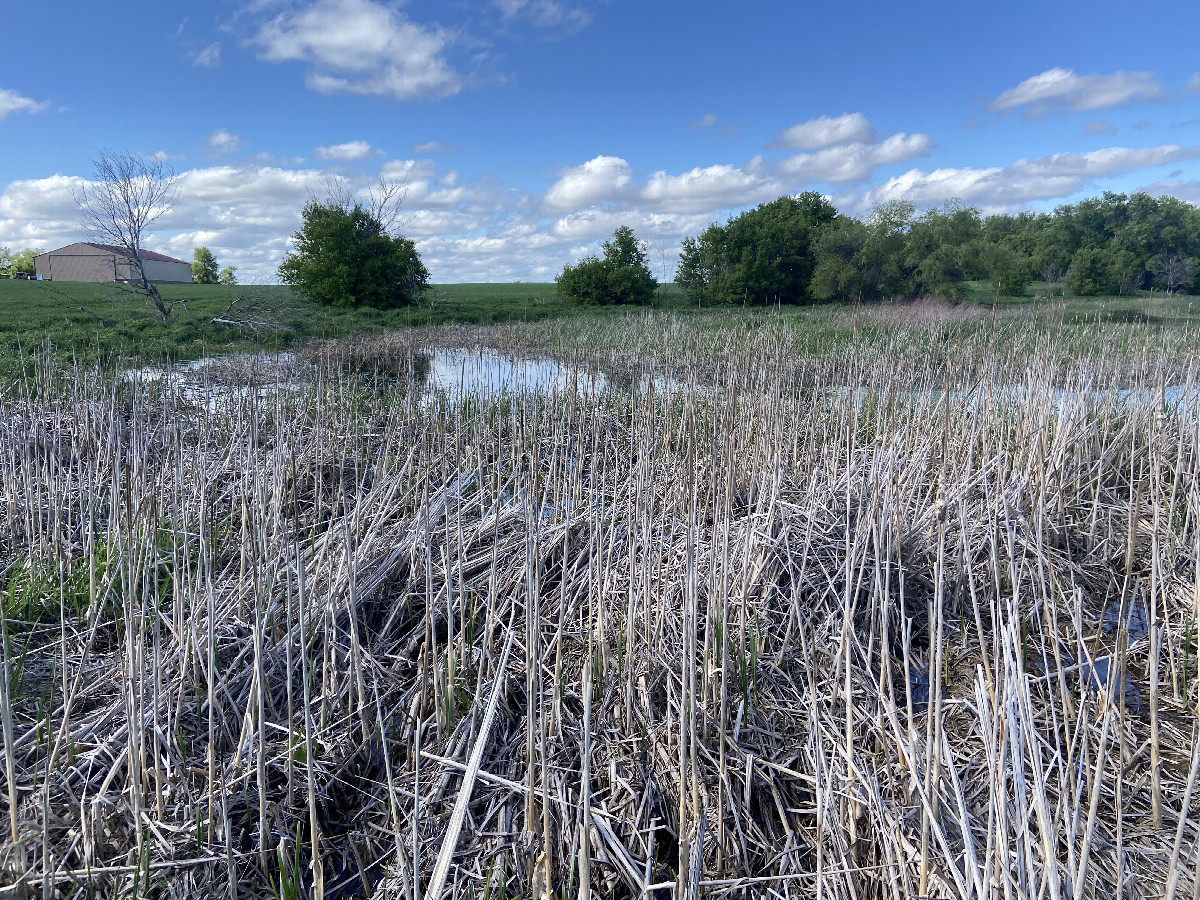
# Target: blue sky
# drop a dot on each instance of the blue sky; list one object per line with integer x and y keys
{"x": 527, "y": 130}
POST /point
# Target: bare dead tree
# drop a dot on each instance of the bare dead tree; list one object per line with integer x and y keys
{"x": 250, "y": 312}
{"x": 1174, "y": 271}
{"x": 127, "y": 194}
{"x": 1053, "y": 274}
{"x": 1128, "y": 281}
{"x": 383, "y": 201}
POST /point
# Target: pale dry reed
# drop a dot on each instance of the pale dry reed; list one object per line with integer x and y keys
{"x": 912, "y": 617}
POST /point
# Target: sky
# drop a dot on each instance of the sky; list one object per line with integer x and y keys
{"x": 526, "y": 131}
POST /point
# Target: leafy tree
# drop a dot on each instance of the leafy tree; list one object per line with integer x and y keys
{"x": 703, "y": 265}
{"x": 345, "y": 257}
{"x": 1007, "y": 270}
{"x": 842, "y": 270}
{"x": 204, "y": 266}
{"x": 764, "y": 255}
{"x": 19, "y": 263}
{"x": 885, "y": 270}
{"x": 1127, "y": 270}
{"x": 938, "y": 255}
{"x": 622, "y": 275}
{"x": 227, "y": 276}
{"x": 1091, "y": 273}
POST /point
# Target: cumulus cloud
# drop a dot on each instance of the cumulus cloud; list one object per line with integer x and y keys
{"x": 11, "y": 102}
{"x": 599, "y": 180}
{"x": 361, "y": 47}
{"x": 346, "y": 152}
{"x": 549, "y": 15}
{"x": 826, "y": 131}
{"x": 207, "y": 57}
{"x": 1057, "y": 175}
{"x": 222, "y": 141}
{"x": 475, "y": 228}
{"x": 856, "y": 162}
{"x": 709, "y": 188}
{"x": 1061, "y": 90}
{"x": 584, "y": 229}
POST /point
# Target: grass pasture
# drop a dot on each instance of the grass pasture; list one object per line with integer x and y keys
{"x": 275, "y": 317}
{"x": 906, "y": 611}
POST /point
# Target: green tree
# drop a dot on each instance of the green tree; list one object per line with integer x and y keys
{"x": 765, "y": 255}
{"x": 345, "y": 257}
{"x": 703, "y": 265}
{"x": 1006, "y": 269}
{"x": 1091, "y": 273}
{"x": 937, "y": 254}
{"x": 884, "y": 256}
{"x": 622, "y": 275}
{"x": 842, "y": 271}
{"x": 204, "y": 266}
{"x": 227, "y": 275}
{"x": 19, "y": 263}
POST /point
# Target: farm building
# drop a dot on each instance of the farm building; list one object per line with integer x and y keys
{"x": 104, "y": 262}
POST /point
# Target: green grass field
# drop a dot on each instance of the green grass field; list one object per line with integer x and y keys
{"x": 67, "y": 316}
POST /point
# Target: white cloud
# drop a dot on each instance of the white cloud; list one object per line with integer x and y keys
{"x": 1061, "y": 90}
{"x": 856, "y": 162}
{"x": 208, "y": 57}
{"x": 433, "y": 148}
{"x": 1058, "y": 175}
{"x": 826, "y": 131}
{"x": 346, "y": 152}
{"x": 549, "y": 15}
{"x": 599, "y": 180}
{"x": 409, "y": 169}
{"x": 1184, "y": 190}
{"x": 361, "y": 47}
{"x": 1193, "y": 83}
{"x": 222, "y": 141}
{"x": 475, "y": 228}
{"x": 710, "y": 188}
{"x": 11, "y": 102}
{"x": 708, "y": 120}
{"x": 1099, "y": 127}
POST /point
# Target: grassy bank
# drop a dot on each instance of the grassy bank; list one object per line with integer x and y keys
{"x": 909, "y": 614}
{"x": 69, "y": 317}
{"x": 91, "y": 321}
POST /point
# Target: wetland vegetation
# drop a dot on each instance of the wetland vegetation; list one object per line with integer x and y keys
{"x": 888, "y": 601}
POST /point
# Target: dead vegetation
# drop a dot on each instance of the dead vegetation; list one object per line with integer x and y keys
{"x": 888, "y": 624}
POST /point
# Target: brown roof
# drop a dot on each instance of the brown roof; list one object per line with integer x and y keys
{"x": 144, "y": 254}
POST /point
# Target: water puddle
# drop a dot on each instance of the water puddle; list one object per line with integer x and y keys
{"x": 1137, "y": 620}
{"x": 1100, "y": 674}
{"x": 918, "y": 684}
{"x": 486, "y": 372}
{"x": 212, "y": 381}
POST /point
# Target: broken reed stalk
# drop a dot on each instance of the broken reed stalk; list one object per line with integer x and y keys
{"x": 908, "y": 617}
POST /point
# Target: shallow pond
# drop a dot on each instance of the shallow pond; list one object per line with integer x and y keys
{"x": 489, "y": 372}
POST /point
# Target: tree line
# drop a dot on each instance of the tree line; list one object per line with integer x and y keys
{"x": 801, "y": 249}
